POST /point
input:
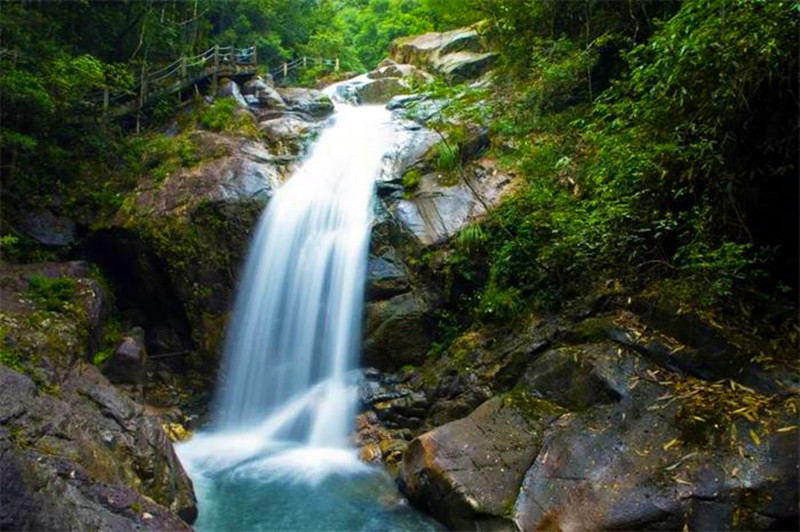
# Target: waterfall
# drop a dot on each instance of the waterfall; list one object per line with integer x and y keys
{"x": 296, "y": 325}
{"x": 295, "y": 332}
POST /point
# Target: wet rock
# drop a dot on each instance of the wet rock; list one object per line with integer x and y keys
{"x": 386, "y": 276}
{"x": 48, "y": 229}
{"x": 397, "y": 331}
{"x": 230, "y": 89}
{"x": 466, "y": 473}
{"x": 311, "y": 102}
{"x": 401, "y": 101}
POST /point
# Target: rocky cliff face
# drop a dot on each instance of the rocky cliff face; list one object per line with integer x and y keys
{"x": 75, "y": 452}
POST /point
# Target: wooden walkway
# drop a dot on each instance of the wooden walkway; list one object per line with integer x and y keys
{"x": 187, "y": 72}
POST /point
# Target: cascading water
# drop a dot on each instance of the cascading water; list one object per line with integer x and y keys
{"x": 278, "y": 457}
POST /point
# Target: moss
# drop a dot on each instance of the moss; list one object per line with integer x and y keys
{"x": 463, "y": 352}
{"x": 11, "y": 358}
{"x": 51, "y": 293}
{"x": 100, "y": 357}
{"x": 411, "y": 182}
{"x": 531, "y": 407}
{"x": 590, "y": 330}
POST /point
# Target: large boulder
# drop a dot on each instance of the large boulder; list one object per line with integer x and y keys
{"x": 459, "y": 54}
{"x": 289, "y": 134}
{"x": 386, "y": 276}
{"x": 467, "y": 472}
{"x": 176, "y": 246}
{"x": 380, "y": 90}
{"x": 128, "y": 362}
{"x": 640, "y": 465}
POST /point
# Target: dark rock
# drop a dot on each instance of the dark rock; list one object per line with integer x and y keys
{"x": 48, "y": 229}
{"x": 466, "y": 473}
{"x": 398, "y": 331}
{"x": 614, "y": 468}
{"x": 94, "y": 452}
{"x": 128, "y": 362}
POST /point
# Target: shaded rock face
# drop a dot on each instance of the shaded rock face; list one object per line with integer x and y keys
{"x": 76, "y": 454}
{"x": 459, "y": 54}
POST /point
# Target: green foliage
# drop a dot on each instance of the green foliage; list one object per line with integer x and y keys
{"x": 51, "y": 293}
{"x": 447, "y": 158}
{"x": 222, "y": 115}
{"x": 471, "y": 239}
{"x": 160, "y": 155}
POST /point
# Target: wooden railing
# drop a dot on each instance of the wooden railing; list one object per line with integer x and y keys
{"x": 181, "y": 74}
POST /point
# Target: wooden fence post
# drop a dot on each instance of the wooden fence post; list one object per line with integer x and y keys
{"x": 305, "y": 61}
{"x": 285, "y": 69}
{"x": 255, "y": 56}
{"x": 215, "y": 78}
{"x": 337, "y": 64}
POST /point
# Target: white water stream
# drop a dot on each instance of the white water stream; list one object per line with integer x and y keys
{"x": 288, "y": 398}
